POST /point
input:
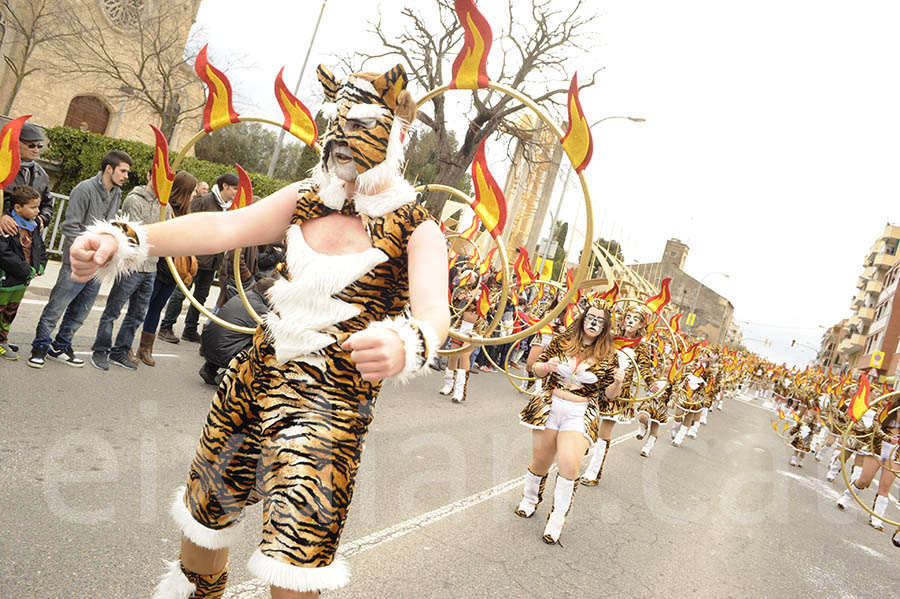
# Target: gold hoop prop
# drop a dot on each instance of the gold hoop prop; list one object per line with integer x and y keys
{"x": 843, "y": 457}
{"x": 467, "y": 340}
{"x": 581, "y": 271}
{"x": 237, "y": 252}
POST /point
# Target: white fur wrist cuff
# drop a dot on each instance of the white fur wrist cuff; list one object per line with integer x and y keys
{"x": 420, "y": 342}
{"x": 133, "y": 248}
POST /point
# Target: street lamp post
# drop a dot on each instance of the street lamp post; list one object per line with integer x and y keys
{"x": 697, "y": 295}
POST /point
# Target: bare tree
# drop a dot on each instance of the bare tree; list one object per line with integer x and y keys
{"x": 147, "y": 60}
{"x": 27, "y": 26}
{"x": 533, "y": 56}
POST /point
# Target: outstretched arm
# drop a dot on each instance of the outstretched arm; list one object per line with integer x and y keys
{"x": 196, "y": 234}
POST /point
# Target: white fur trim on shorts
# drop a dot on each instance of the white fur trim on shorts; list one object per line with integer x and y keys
{"x": 199, "y": 534}
{"x": 298, "y": 578}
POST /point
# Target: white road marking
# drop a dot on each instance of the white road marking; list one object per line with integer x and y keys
{"x": 868, "y": 550}
{"x": 255, "y": 589}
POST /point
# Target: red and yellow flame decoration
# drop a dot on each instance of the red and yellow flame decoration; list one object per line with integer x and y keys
{"x": 569, "y": 318}
{"x": 472, "y": 229}
{"x": 625, "y": 342}
{"x": 884, "y": 413}
{"x": 484, "y": 301}
{"x": 522, "y": 268}
{"x": 570, "y": 280}
{"x": 674, "y": 371}
{"x": 485, "y": 265}
{"x": 691, "y": 353}
{"x": 675, "y": 323}
{"x": 9, "y": 150}
{"x": 577, "y": 142}
{"x": 161, "y": 175}
{"x": 470, "y": 66}
{"x": 659, "y": 301}
{"x": 297, "y": 118}
{"x": 611, "y": 294}
{"x": 219, "y": 109}
{"x": 861, "y": 399}
{"x": 780, "y": 414}
{"x": 244, "y": 195}
{"x": 490, "y": 203}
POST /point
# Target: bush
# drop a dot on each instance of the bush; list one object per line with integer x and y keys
{"x": 78, "y": 155}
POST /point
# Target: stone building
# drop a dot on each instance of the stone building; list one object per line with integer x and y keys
{"x": 875, "y": 323}
{"x": 94, "y": 102}
{"x": 831, "y": 340}
{"x": 714, "y": 312}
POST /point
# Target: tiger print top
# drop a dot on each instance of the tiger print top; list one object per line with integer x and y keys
{"x": 327, "y": 297}
{"x": 645, "y": 368}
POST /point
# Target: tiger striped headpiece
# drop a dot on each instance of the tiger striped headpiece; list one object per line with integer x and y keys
{"x": 363, "y": 126}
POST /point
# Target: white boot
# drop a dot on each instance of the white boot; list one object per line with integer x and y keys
{"x": 643, "y": 432}
{"x": 854, "y": 474}
{"x": 591, "y": 476}
{"x": 881, "y": 505}
{"x": 531, "y": 495}
{"x": 845, "y": 500}
{"x": 459, "y": 388}
{"x": 675, "y": 428}
{"x": 648, "y": 446}
{"x": 719, "y": 405}
{"x": 679, "y": 436}
{"x": 562, "y": 503}
{"x": 819, "y": 453}
{"x": 793, "y": 460}
{"x": 538, "y": 386}
{"x": 800, "y": 460}
{"x": 703, "y": 414}
{"x": 692, "y": 432}
{"x": 449, "y": 379}
{"x": 833, "y": 470}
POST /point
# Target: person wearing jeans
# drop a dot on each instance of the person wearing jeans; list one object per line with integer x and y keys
{"x": 134, "y": 289}
{"x": 94, "y": 199}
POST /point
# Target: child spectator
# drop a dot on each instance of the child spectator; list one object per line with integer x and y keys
{"x": 22, "y": 257}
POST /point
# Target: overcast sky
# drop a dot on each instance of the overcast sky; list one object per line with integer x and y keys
{"x": 771, "y": 143}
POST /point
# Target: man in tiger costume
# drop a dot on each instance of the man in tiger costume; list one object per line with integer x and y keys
{"x": 362, "y": 302}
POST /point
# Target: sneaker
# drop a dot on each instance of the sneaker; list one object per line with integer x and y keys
{"x": 191, "y": 335}
{"x": 168, "y": 336}
{"x": 66, "y": 356}
{"x": 7, "y": 352}
{"x": 123, "y": 361}
{"x": 99, "y": 361}
{"x": 13, "y": 347}
{"x": 37, "y": 357}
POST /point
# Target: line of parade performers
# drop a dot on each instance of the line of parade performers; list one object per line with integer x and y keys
{"x": 607, "y": 361}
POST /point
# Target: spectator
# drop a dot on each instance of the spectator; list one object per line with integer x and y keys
{"x": 31, "y": 142}
{"x": 218, "y": 344}
{"x": 22, "y": 257}
{"x": 94, "y": 199}
{"x": 267, "y": 261}
{"x": 164, "y": 284}
{"x": 140, "y": 205}
{"x": 218, "y": 200}
{"x": 201, "y": 190}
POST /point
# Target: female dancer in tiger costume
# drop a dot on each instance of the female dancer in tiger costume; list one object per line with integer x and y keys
{"x": 579, "y": 368}
{"x": 456, "y": 375}
{"x": 288, "y": 421}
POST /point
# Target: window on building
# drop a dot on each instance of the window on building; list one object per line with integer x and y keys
{"x": 88, "y": 113}
{"x": 123, "y": 13}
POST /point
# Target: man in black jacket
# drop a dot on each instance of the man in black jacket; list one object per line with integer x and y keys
{"x": 217, "y": 200}
{"x": 31, "y": 142}
{"x": 220, "y": 345}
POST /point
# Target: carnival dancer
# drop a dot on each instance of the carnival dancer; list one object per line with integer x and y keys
{"x": 890, "y": 464}
{"x": 581, "y": 372}
{"x": 866, "y": 441}
{"x": 544, "y": 303}
{"x": 363, "y": 302}
{"x": 711, "y": 392}
{"x": 632, "y": 329}
{"x": 655, "y": 411}
{"x": 837, "y": 423}
{"x": 456, "y": 376}
{"x": 801, "y": 439}
{"x": 687, "y": 407}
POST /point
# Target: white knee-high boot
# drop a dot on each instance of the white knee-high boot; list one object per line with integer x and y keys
{"x": 833, "y": 470}
{"x": 531, "y": 495}
{"x": 679, "y": 436}
{"x": 459, "y": 388}
{"x": 692, "y": 432}
{"x": 881, "y": 505}
{"x": 648, "y": 446}
{"x": 676, "y": 426}
{"x": 591, "y": 476}
{"x": 449, "y": 379}
{"x": 563, "y": 496}
{"x": 703, "y": 414}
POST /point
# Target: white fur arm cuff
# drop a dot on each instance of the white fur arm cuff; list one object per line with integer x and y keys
{"x": 420, "y": 342}
{"x": 132, "y": 252}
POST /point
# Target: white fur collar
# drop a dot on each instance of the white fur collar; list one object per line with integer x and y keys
{"x": 331, "y": 192}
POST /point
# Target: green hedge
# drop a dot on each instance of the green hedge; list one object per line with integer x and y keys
{"x": 78, "y": 155}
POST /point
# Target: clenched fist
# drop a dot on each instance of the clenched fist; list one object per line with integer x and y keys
{"x": 89, "y": 252}
{"x": 377, "y": 353}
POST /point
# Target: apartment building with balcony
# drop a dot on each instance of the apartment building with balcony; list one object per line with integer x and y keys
{"x": 875, "y": 324}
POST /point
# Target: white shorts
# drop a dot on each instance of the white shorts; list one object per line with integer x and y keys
{"x": 566, "y": 415}
{"x": 541, "y": 340}
{"x": 887, "y": 450}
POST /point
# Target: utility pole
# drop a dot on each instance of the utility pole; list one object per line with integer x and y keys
{"x": 277, "y": 151}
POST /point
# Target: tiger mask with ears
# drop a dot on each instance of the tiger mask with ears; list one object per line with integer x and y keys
{"x": 368, "y": 116}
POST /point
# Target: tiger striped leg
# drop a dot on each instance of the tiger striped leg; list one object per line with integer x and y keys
{"x": 459, "y": 389}
{"x": 180, "y": 583}
{"x": 563, "y": 497}
{"x": 531, "y": 495}
{"x": 591, "y": 476}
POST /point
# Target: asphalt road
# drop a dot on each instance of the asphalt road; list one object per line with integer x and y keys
{"x": 90, "y": 459}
